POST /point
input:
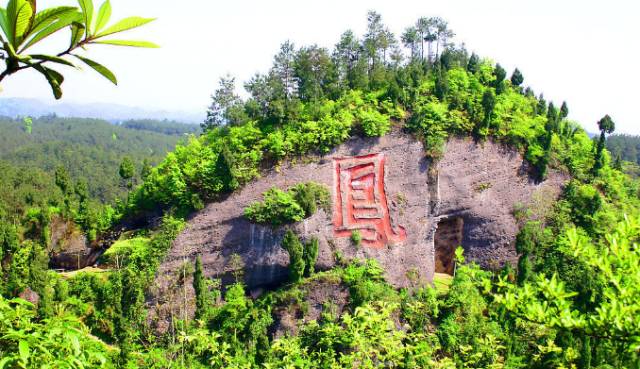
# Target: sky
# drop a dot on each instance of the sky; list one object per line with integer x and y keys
{"x": 583, "y": 51}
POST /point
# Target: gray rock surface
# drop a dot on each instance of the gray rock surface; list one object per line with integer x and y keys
{"x": 479, "y": 183}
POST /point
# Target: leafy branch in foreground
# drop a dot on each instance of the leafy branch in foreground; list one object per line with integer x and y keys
{"x": 616, "y": 315}
{"x": 23, "y": 27}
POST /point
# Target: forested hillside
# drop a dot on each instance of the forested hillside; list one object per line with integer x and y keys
{"x": 571, "y": 300}
{"x": 90, "y": 150}
{"x": 625, "y": 147}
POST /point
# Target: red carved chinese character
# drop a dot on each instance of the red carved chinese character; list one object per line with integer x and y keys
{"x": 361, "y": 203}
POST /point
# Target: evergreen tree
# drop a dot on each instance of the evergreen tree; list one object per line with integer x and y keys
{"x": 284, "y": 70}
{"x": 442, "y": 84}
{"x": 127, "y": 171}
{"x": 63, "y": 180}
{"x": 411, "y": 40}
{"x": 291, "y": 243}
{"x": 351, "y": 66}
{"x": 618, "y": 163}
{"x": 443, "y": 35}
{"x": 552, "y": 118}
{"x": 224, "y": 172}
{"x": 226, "y": 106}
{"x": 525, "y": 243}
{"x": 473, "y": 64}
{"x": 200, "y": 288}
{"x": 146, "y": 169}
{"x": 488, "y": 104}
{"x": 564, "y": 110}
{"x": 541, "y": 108}
{"x": 314, "y": 72}
{"x": 517, "y": 78}
{"x": 500, "y": 74}
{"x": 310, "y": 252}
{"x": 606, "y": 126}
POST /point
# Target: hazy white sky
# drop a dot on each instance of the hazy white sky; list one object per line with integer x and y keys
{"x": 584, "y": 51}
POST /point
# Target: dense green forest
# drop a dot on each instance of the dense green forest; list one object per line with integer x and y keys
{"x": 88, "y": 149}
{"x": 572, "y": 300}
{"x": 625, "y": 147}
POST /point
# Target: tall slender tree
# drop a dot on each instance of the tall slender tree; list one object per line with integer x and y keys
{"x": 200, "y": 289}
{"x": 411, "y": 40}
{"x": 564, "y": 110}
{"x": 606, "y": 126}
{"x": 226, "y": 106}
{"x": 284, "y": 69}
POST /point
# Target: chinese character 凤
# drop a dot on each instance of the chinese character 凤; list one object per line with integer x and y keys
{"x": 361, "y": 203}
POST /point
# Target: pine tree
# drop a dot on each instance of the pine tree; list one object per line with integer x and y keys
{"x": 618, "y": 163}
{"x": 488, "y": 104}
{"x": 500, "y": 74}
{"x": 146, "y": 169}
{"x": 63, "y": 181}
{"x": 226, "y": 106}
{"x": 127, "y": 171}
{"x": 442, "y": 85}
{"x": 524, "y": 246}
{"x": 200, "y": 288}
{"x": 474, "y": 63}
{"x": 607, "y": 126}
{"x": 291, "y": 243}
{"x": 517, "y": 78}
{"x": 541, "y": 108}
{"x": 564, "y": 110}
{"x": 311, "y": 250}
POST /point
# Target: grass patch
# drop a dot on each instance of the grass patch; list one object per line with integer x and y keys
{"x": 442, "y": 282}
{"x": 103, "y": 273}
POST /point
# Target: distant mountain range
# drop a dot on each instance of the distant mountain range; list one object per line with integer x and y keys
{"x": 20, "y": 107}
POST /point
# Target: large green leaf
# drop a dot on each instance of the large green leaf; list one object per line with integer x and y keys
{"x": 61, "y": 23}
{"x": 52, "y": 58}
{"x": 125, "y": 25}
{"x": 4, "y": 22}
{"x": 5, "y": 361}
{"x": 99, "y": 68}
{"x": 23, "y": 350}
{"x": 54, "y": 78}
{"x": 127, "y": 43}
{"x": 48, "y": 16}
{"x": 103, "y": 16}
{"x": 87, "y": 13}
{"x": 77, "y": 32}
{"x": 19, "y": 16}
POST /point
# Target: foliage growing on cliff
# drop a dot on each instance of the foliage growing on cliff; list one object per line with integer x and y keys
{"x": 297, "y": 203}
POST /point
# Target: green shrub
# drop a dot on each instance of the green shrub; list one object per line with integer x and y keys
{"x": 374, "y": 123}
{"x": 356, "y": 238}
{"x": 295, "y": 249}
{"x": 280, "y": 207}
{"x": 310, "y": 196}
{"x": 311, "y": 249}
{"x": 366, "y": 283}
{"x": 123, "y": 249}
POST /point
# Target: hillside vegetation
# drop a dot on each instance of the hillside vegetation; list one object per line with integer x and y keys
{"x": 573, "y": 300}
{"x": 90, "y": 150}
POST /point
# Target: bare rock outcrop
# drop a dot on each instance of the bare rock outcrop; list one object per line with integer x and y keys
{"x": 387, "y": 190}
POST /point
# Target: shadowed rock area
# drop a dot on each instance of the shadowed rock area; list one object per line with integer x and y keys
{"x": 477, "y": 183}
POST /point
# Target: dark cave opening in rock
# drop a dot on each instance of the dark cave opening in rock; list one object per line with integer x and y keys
{"x": 447, "y": 238}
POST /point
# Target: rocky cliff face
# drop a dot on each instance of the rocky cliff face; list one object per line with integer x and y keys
{"x": 385, "y": 189}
